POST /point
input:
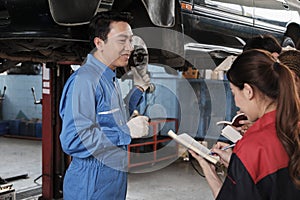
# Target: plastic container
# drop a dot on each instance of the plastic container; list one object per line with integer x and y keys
{"x": 4, "y": 127}
{"x": 14, "y": 127}
{"x": 38, "y": 129}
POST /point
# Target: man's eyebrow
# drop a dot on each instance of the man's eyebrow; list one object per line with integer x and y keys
{"x": 124, "y": 36}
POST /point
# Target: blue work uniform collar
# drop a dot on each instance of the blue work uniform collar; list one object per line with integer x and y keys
{"x": 108, "y": 73}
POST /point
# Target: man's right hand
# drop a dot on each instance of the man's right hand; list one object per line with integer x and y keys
{"x": 138, "y": 126}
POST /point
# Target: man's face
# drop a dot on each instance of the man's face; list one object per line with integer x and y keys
{"x": 116, "y": 50}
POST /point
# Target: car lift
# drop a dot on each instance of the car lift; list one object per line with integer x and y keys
{"x": 54, "y": 161}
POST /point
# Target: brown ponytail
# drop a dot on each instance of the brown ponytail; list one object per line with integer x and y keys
{"x": 287, "y": 121}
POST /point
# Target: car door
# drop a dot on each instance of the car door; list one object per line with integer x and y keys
{"x": 229, "y": 17}
{"x": 272, "y": 17}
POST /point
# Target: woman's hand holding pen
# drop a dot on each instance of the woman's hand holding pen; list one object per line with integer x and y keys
{"x": 224, "y": 155}
{"x": 209, "y": 170}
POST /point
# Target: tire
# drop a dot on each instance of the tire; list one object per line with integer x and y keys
{"x": 292, "y": 32}
{"x": 28, "y": 68}
{"x": 287, "y": 41}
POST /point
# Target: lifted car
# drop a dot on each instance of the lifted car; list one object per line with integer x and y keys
{"x": 213, "y": 21}
{"x": 55, "y": 31}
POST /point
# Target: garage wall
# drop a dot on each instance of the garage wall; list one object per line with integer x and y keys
{"x": 19, "y": 102}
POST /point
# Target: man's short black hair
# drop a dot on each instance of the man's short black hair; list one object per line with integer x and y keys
{"x": 265, "y": 42}
{"x": 100, "y": 23}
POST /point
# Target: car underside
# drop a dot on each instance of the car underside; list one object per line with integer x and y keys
{"x": 56, "y": 31}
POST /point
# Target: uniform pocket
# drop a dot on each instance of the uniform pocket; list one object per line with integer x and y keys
{"x": 75, "y": 183}
{"x": 108, "y": 182}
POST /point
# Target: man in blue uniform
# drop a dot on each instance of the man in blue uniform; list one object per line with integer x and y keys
{"x": 95, "y": 131}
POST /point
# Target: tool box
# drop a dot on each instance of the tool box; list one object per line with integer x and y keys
{"x": 7, "y": 192}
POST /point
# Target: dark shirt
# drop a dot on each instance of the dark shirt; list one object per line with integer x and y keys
{"x": 258, "y": 168}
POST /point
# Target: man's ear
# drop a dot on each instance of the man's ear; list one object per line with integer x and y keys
{"x": 248, "y": 91}
{"x": 98, "y": 43}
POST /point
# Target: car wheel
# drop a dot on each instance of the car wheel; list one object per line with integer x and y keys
{"x": 287, "y": 41}
{"x": 293, "y": 32}
{"x": 30, "y": 68}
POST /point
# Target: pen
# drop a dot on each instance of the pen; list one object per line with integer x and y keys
{"x": 224, "y": 148}
{"x": 227, "y": 147}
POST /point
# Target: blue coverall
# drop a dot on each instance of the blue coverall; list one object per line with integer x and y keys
{"x": 94, "y": 133}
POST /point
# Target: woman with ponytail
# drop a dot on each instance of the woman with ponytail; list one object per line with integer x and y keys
{"x": 265, "y": 163}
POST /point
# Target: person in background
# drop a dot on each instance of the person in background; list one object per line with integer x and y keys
{"x": 95, "y": 131}
{"x": 291, "y": 58}
{"x": 266, "y": 42}
{"x": 265, "y": 163}
{"x": 298, "y": 44}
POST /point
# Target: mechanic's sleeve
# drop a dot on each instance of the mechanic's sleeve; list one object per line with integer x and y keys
{"x": 81, "y": 135}
{"x": 133, "y": 99}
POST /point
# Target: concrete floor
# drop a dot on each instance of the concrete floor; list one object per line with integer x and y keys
{"x": 19, "y": 157}
{"x": 177, "y": 181}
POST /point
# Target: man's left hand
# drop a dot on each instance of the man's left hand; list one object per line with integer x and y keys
{"x": 140, "y": 77}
